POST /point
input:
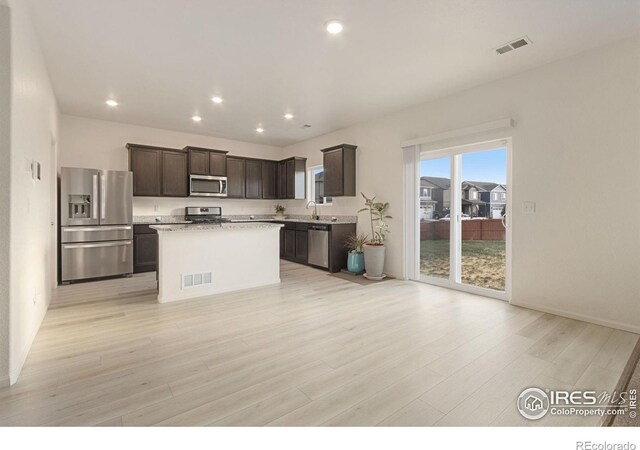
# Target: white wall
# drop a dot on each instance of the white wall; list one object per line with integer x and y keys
{"x": 578, "y": 130}
{"x": 33, "y": 138}
{"x": 5, "y": 187}
{"x": 101, "y": 144}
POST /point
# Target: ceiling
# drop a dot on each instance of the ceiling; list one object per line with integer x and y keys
{"x": 163, "y": 60}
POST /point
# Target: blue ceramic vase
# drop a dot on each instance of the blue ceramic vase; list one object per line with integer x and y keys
{"x": 355, "y": 262}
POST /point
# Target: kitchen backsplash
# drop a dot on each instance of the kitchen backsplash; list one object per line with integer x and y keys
{"x": 157, "y": 206}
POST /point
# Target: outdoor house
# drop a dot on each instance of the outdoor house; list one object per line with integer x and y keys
{"x": 479, "y": 198}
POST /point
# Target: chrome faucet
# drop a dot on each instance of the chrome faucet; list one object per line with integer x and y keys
{"x": 314, "y": 216}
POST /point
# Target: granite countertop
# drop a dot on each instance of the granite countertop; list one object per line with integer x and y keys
{"x": 326, "y": 220}
{"x": 148, "y": 220}
{"x": 215, "y": 226}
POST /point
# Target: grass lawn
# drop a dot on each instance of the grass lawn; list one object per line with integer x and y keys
{"x": 483, "y": 262}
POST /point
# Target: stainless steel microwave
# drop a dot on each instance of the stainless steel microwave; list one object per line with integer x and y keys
{"x": 207, "y": 186}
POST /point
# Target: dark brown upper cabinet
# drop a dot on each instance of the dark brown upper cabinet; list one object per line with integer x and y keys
{"x": 236, "y": 174}
{"x": 339, "y": 164}
{"x": 146, "y": 165}
{"x": 293, "y": 178}
{"x": 205, "y": 161}
{"x": 269, "y": 179}
{"x": 175, "y": 174}
{"x": 158, "y": 171}
{"x": 253, "y": 178}
{"x": 164, "y": 172}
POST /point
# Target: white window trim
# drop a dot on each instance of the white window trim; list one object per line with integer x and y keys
{"x": 311, "y": 187}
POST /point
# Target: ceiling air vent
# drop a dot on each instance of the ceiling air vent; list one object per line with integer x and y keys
{"x": 514, "y": 45}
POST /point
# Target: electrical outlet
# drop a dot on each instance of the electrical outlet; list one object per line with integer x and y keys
{"x": 156, "y": 208}
{"x": 528, "y": 207}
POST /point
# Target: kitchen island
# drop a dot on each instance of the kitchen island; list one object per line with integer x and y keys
{"x": 200, "y": 260}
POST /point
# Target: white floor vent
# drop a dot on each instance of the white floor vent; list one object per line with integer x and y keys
{"x": 190, "y": 280}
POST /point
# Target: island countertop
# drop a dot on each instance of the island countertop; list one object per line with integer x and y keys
{"x": 215, "y": 226}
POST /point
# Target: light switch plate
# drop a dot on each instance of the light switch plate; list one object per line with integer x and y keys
{"x": 528, "y": 207}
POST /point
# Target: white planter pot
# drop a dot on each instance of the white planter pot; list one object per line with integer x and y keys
{"x": 374, "y": 260}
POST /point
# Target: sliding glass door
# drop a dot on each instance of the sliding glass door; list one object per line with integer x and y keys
{"x": 435, "y": 216}
{"x": 464, "y": 226}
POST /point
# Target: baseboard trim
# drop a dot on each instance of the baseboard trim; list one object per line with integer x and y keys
{"x": 225, "y": 290}
{"x": 4, "y": 381}
{"x": 585, "y": 318}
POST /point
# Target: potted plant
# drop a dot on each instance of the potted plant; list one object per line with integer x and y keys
{"x": 279, "y": 210}
{"x": 355, "y": 258}
{"x": 374, "y": 250}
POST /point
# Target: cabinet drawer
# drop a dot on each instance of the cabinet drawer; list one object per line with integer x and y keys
{"x": 302, "y": 226}
{"x": 289, "y": 225}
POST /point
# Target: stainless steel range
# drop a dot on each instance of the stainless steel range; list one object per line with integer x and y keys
{"x": 96, "y": 231}
{"x": 208, "y": 214}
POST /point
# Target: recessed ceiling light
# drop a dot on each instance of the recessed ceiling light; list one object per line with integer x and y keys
{"x": 334, "y": 26}
{"x": 196, "y": 119}
{"x": 288, "y": 116}
{"x": 112, "y": 103}
{"x": 216, "y": 99}
{"x": 260, "y": 130}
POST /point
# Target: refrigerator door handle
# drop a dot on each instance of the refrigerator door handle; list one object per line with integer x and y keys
{"x": 98, "y": 228}
{"x": 103, "y": 197}
{"x": 104, "y": 244}
{"x": 94, "y": 200}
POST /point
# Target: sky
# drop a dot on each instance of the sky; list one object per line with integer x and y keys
{"x": 490, "y": 166}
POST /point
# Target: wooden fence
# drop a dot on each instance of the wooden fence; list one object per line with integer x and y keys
{"x": 472, "y": 230}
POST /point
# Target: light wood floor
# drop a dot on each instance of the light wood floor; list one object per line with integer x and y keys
{"x": 315, "y": 350}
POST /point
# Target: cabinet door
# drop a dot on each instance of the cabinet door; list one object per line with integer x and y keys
{"x": 217, "y": 164}
{"x": 282, "y": 179}
{"x": 302, "y": 246}
{"x": 235, "y": 177}
{"x": 146, "y": 166}
{"x": 253, "y": 170}
{"x": 290, "y": 178}
{"x": 175, "y": 178}
{"x": 290, "y": 244}
{"x": 269, "y": 179}
{"x": 145, "y": 252}
{"x": 198, "y": 162}
{"x": 333, "y": 173}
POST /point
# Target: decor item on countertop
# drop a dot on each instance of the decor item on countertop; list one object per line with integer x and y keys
{"x": 374, "y": 250}
{"x": 279, "y": 211}
{"x": 355, "y": 258}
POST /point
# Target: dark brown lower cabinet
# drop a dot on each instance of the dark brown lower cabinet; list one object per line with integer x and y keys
{"x": 145, "y": 249}
{"x": 289, "y": 247}
{"x": 294, "y": 243}
{"x": 302, "y": 246}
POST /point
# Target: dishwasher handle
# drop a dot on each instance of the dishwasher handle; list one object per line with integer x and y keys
{"x": 318, "y": 227}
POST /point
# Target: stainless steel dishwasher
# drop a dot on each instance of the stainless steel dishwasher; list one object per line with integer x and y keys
{"x": 318, "y": 246}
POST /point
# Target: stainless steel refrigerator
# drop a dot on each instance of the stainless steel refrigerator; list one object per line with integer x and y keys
{"x": 96, "y": 231}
